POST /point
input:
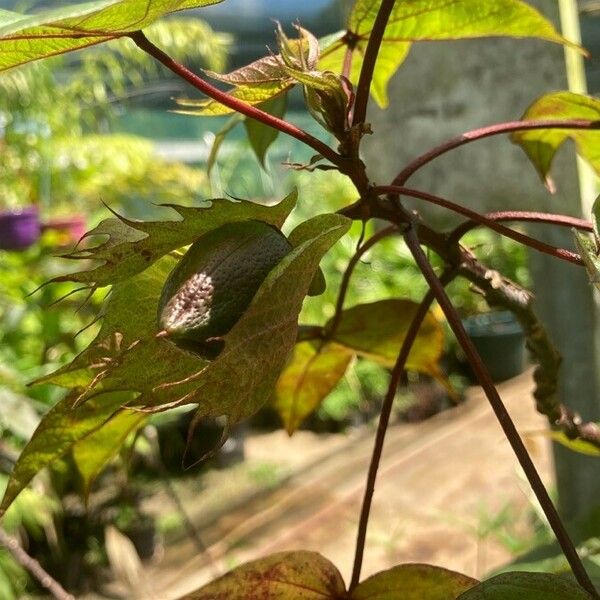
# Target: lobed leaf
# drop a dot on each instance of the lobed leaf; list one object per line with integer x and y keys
{"x": 526, "y": 586}
{"x": 132, "y": 246}
{"x": 25, "y": 38}
{"x": 377, "y": 330}
{"x": 313, "y": 371}
{"x": 427, "y": 20}
{"x": 541, "y": 145}
{"x": 414, "y": 582}
{"x": 260, "y": 135}
{"x": 297, "y": 575}
{"x": 62, "y": 427}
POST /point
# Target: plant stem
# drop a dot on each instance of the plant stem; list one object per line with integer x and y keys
{"x": 33, "y": 566}
{"x": 235, "y": 104}
{"x": 501, "y": 413}
{"x": 350, "y": 269}
{"x": 524, "y": 217}
{"x": 368, "y": 66}
{"x": 384, "y": 419}
{"x": 483, "y": 220}
{"x": 484, "y": 132}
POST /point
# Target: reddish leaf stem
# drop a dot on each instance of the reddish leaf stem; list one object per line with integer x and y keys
{"x": 235, "y": 104}
{"x": 384, "y": 419}
{"x": 503, "y": 416}
{"x": 348, "y": 274}
{"x": 484, "y": 132}
{"x": 368, "y": 66}
{"x": 482, "y": 220}
{"x": 524, "y": 217}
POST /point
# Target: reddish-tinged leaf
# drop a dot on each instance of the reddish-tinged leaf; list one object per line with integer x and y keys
{"x": 414, "y": 582}
{"x": 284, "y": 576}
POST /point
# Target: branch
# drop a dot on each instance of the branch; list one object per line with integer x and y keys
{"x": 384, "y": 419}
{"x": 235, "y": 104}
{"x": 526, "y": 240}
{"x": 363, "y": 249}
{"x": 33, "y": 566}
{"x": 523, "y": 217}
{"x": 484, "y": 132}
{"x": 368, "y": 66}
{"x": 501, "y": 413}
{"x": 499, "y": 292}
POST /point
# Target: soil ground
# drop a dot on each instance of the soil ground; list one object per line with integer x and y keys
{"x": 449, "y": 493}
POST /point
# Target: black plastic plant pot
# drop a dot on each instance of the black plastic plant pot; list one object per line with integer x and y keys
{"x": 500, "y": 341}
{"x": 19, "y": 229}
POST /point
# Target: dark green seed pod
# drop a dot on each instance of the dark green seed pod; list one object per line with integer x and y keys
{"x": 214, "y": 283}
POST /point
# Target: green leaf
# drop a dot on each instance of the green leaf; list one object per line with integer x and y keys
{"x": 242, "y": 378}
{"x": 297, "y": 575}
{"x": 576, "y": 445}
{"x": 313, "y": 371}
{"x": 541, "y": 145}
{"x": 414, "y": 582}
{"x": 92, "y": 453}
{"x": 129, "y": 247}
{"x": 25, "y": 38}
{"x": 231, "y": 123}
{"x": 260, "y": 135}
{"x": 526, "y": 586}
{"x": 590, "y": 254}
{"x": 426, "y": 20}
{"x": 377, "y": 330}
{"x": 65, "y": 424}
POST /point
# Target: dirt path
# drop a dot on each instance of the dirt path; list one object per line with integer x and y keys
{"x": 442, "y": 485}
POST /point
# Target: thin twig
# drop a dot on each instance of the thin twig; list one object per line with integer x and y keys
{"x": 384, "y": 419}
{"x": 484, "y": 132}
{"x": 234, "y": 103}
{"x": 368, "y": 66}
{"x": 34, "y": 567}
{"x": 361, "y": 250}
{"x": 501, "y": 413}
{"x": 526, "y": 240}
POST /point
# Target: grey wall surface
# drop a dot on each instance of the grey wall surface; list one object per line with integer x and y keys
{"x": 446, "y": 88}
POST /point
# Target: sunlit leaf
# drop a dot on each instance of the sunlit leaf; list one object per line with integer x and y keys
{"x": 92, "y": 453}
{"x": 377, "y": 330}
{"x": 313, "y": 371}
{"x": 541, "y": 145}
{"x": 576, "y": 445}
{"x": 526, "y": 586}
{"x": 426, "y": 20}
{"x": 260, "y": 135}
{"x": 414, "y": 582}
{"x": 64, "y": 425}
{"x": 127, "y": 247}
{"x": 284, "y": 576}
{"x": 24, "y": 38}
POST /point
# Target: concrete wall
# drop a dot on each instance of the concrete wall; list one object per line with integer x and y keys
{"x": 446, "y": 88}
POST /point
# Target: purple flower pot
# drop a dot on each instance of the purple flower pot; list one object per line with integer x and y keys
{"x": 19, "y": 229}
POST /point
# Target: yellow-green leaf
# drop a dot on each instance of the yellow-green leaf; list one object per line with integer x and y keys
{"x": 93, "y": 452}
{"x": 311, "y": 374}
{"x": 28, "y": 37}
{"x": 283, "y": 576}
{"x": 590, "y": 255}
{"x": 414, "y": 582}
{"x": 541, "y": 145}
{"x": 377, "y": 330}
{"x": 427, "y": 20}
